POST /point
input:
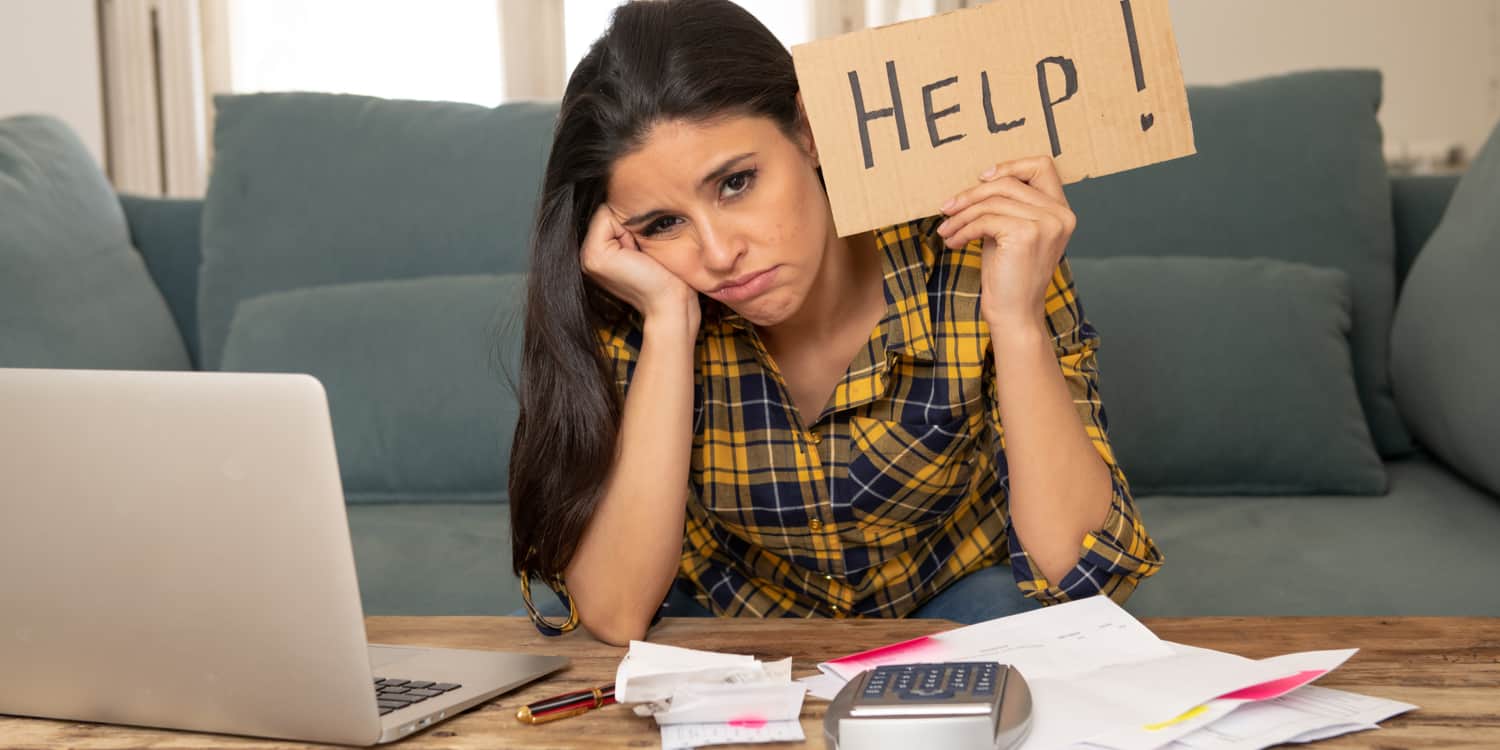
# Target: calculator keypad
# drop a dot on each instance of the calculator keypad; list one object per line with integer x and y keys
{"x": 962, "y": 686}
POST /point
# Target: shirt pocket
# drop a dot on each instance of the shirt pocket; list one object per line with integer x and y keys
{"x": 907, "y": 474}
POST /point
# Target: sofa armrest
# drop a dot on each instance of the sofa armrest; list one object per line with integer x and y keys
{"x": 166, "y": 231}
{"x": 1417, "y": 204}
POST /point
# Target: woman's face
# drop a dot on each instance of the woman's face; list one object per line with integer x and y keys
{"x": 733, "y": 207}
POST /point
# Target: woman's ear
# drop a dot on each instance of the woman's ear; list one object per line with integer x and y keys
{"x": 805, "y": 134}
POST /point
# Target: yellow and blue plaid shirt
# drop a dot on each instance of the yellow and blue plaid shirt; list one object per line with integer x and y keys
{"x": 900, "y": 487}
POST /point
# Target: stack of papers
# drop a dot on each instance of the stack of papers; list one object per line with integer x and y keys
{"x": 1302, "y": 715}
{"x": 1101, "y": 680}
{"x": 705, "y": 698}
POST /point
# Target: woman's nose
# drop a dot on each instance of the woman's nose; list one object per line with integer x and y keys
{"x": 721, "y": 248}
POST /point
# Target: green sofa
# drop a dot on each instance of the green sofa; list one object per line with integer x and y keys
{"x": 1245, "y": 297}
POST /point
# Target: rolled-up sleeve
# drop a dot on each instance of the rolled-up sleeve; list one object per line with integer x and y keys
{"x": 1115, "y": 557}
{"x": 621, "y": 344}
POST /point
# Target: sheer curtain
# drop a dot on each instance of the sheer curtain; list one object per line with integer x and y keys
{"x": 164, "y": 60}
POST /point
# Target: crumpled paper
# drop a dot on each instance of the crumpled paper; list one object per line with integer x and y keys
{"x": 686, "y": 686}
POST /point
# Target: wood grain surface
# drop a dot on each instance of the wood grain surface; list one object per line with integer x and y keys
{"x": 1450, "y": 667}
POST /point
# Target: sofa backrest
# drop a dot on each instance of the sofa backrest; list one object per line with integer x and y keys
{"x": 378, "y": 245}
{"x": 349, "y": 204}
{"x": 166, "y": 232}
{"x": 1288, "y": 167}
{"x": 310, "y": 189}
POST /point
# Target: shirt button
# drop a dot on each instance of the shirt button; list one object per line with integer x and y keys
{"x": 815, "y": 525}
{"x": 814, "y": 438}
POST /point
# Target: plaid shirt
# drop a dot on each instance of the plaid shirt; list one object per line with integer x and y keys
{"x": 900, "y": 487}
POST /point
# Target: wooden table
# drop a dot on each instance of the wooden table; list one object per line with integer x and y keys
{"x": 1450, "y": 667}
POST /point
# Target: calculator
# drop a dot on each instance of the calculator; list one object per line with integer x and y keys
{"x": 971, "y": 705}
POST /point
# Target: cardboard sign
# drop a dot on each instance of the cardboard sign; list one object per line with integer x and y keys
{"x": 906, "y": 116}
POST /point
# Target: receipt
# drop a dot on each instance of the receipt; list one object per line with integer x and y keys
{"x": 683, "y": 736}
{"x": 706, "y": 698}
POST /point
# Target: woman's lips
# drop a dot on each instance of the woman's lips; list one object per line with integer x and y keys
{"x": 750, "y": 287}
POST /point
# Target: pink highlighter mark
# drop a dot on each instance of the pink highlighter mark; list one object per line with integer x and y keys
{"x": 891, "y": 654}
{"x": 1274, "y": 688}
{"x": 748, "y": 722}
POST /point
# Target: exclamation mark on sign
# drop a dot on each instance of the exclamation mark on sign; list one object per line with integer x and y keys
{"x": 1148, "y": 119}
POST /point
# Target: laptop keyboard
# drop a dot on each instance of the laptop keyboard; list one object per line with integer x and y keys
{"x": 393, "y": 695}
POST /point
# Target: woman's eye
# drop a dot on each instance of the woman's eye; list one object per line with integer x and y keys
{"x": 660, "y": 225}
{"x": 737, "y": 183}
{"x": 732, "y": 186}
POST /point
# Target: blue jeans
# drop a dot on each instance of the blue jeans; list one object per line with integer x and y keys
{"x": 982, "y": 595}
{"x": 985, "y": 594}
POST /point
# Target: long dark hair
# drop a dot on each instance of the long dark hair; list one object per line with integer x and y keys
{"x": 692, "y": 60}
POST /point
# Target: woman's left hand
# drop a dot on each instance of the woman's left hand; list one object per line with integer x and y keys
{"x": 1018, "y": 209}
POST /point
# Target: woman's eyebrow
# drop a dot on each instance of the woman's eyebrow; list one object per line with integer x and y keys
{"x": 708, "y": 179}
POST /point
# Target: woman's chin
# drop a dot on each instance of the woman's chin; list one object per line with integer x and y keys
{"x": 769, "y": 309}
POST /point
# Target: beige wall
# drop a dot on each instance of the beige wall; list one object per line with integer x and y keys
{"x": 49, "y": 63}
{"x": 1440, "y": 58}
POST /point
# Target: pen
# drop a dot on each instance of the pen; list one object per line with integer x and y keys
{"x": 565, "y": 705}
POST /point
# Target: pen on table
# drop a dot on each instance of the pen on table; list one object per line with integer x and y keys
{"x": 565, "y": 705}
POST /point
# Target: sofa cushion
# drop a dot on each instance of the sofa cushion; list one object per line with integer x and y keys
{"x": 167, "y": 232}
{"x": 1229, "y": 376}
{"x": 311, "y": 189}
{"x": 1291, "y": 555}
{"x": 416, "y": 374}
{"x": 434, "y": 559}
{"x": 1426, "y": 548}
{"x": 1287, "y": 167}
{"x": 73, "y": 292}
{"x": 1417, "y": 206}
{"x": 1443, "y": 356}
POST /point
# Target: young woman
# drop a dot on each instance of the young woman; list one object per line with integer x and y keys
{"x": 727, "y": 408}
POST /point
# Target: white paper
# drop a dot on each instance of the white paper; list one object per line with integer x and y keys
{"x": 734, "y": 704}
{"x": 683, "y": 736}
{"x": 652, "y": 671}
{"x": 1333, "y": 731}
{"x": 1085, "y": 662}
{"x": 1056, "y": 641}
{"x": 1093, "y": 669}
{"x": 1117, "y": 697}
{"x": 1310, "y": 711}
{"x": 1161, "y": 734}
{"x": 823, "y": 685}
{"x": 1299, "y": 668}
{"x": 709, "y": 698}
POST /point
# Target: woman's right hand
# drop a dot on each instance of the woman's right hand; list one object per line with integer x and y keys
{"x": 611, "y": 257}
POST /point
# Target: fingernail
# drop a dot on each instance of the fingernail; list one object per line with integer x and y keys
{"x": 988, "y": 173}
{"x": 949, "y": 205}
{"x": 942, "y": 228}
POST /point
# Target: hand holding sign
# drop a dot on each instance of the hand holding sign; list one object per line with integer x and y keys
{"x": 1006, "y": 80}
{"x": 1019, "y": 211}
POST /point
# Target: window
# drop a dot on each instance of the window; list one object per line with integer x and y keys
{"x": 397, "y": 49}
{"x": 885, "y": 12}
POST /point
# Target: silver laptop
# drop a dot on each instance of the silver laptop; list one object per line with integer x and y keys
{"x": 174, "y": 552}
